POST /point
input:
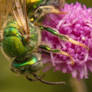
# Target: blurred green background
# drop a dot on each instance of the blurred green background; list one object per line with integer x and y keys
{"x": 10, "y": 82}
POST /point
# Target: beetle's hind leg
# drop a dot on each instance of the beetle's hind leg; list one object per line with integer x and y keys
{"x": 47, "y": 49}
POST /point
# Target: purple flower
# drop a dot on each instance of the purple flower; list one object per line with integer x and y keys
{"x": 77, "y": 24}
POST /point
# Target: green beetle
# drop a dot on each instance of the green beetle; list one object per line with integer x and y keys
{"x": 15, "y": 45}
{"x": 22, "y": 37}
{"x": 22, "y": 41}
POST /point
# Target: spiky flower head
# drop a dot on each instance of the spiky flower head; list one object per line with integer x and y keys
{"x": 77, "y": 24}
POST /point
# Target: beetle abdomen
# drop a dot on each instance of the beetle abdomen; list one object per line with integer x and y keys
{"x": 13, "y": 46}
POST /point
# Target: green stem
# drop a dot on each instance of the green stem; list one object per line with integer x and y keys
{"x": 78, "y": 85}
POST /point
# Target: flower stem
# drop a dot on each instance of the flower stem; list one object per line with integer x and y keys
{"x": 78, "y": 85}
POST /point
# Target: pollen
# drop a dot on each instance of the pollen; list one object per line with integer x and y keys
{"x": 83, "y": 38}
{"x": 32, "y": 19}
{"x": 32, "y": 1}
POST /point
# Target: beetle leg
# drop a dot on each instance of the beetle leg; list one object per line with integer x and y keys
{"x": 62, "y": 36}
{"x": 47, "y": 82}
{"x": 30, "y": 79}
{"x": 47, "y": 49}
{"x": 43, "y": 10}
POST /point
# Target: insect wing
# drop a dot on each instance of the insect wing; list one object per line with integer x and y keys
{"x": 5, "y": 8}
{"x": 20, "y": 14}
{"x": 61, "y": 3}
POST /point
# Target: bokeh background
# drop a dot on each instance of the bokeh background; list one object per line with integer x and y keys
{"x": 10, "y": 82}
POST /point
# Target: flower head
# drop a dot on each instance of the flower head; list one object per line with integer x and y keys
{"x": 77, "y": 24}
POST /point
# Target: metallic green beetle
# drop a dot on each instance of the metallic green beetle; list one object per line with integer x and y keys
{"x": 22, "y": 37}
{"x": 22, "y": 40}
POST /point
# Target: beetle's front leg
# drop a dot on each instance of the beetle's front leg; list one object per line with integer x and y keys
{"x": 43, "y": 10}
